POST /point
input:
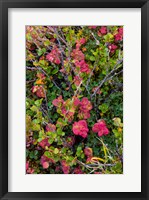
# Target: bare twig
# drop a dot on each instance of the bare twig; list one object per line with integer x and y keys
{"x": 30, "y": 81}
{"x": 59, "y": 37}
{"x": 46, "y": 101}
{"x": 59, "y": 45}
{"x": 115, "y": 74}
{"x": 92, "y": 171}
{"x": 89, "y": 79}
{"x": 78, "y": 88}
{"x": 97, "y": 41}
{"x": 106, "y": 77}
{"x": 95, "y": 165}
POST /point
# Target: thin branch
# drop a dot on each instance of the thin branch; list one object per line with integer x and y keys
{"x": 30, "y": 81}
{"x": 88, "y": 81}
{"x": 97, "y": 41}
{"x": 78, "y": 88}
{"x": 92, "y": 171}
{"x": 83, "y": 164}
{"x": 106, "y": 77}
{"x": 115, "y": 74}
{"x": 59, "y": 37}
{"x": 59, "y": 45}
{"x": 95, "y": 165}
{"x": 46, "y": 100}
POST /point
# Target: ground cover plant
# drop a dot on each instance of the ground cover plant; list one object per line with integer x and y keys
{"x": 74, "y": 99}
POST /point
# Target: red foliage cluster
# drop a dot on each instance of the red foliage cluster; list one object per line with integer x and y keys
{"x": 102, "y": 31}
{"x": 80, "y": 42}
{"x": 79, "y": 58}
{"x": 77, "y": 170}
{"x": 29, "y": 170}
{"x": 84, "y": 67}
{"x": 112, "y": 48}
{"x": 80, "y": 128}
{"x": 70, "y": 140}
{"x": 50, "y": 127}
{"x": 65, "y": 167}
{"x": 76, "y": 101}
{"x": 54, "y": 56}
{"x": 45, "y": 161}
{"x": 100, "y": 128}
{"x": 77, "y": 54}
{"x": 39, "y": 91}
{"x": 40, "y": 75}
{"x": 88, "y": 152}
{"x": 58, "y": 102}
{"x": 119, "y": 36}
{"x": 88, "y": 160}
{"x": 44, "y": 143}
{"x": 62, "y": 106}
{"x": 77, "y": 80}
{"x": 85, "y": 107}
{"x": 66, "y": 113}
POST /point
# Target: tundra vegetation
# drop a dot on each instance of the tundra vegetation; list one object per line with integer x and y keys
{"x": 74, "y": 99}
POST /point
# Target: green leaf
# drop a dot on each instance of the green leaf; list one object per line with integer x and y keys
{"x": 108, "y": 38}
{"x": 47, "y": 42}
{"x": 31, "y": 155}
{"x": 47, "y": 154}
{"x": 73, "y": 87}
{"x": 62, "y": 121}
{"x": 56, "y": 158}
{"x": 65, "y": 29}
{"x": 79, "y": 151}
{"x": 116, "y": 133}
{"x": 41, "y": 51}
{"x": 38, "y": 102}
{"x": 35, "y": 152}
{"x": 28, "y": 36}
{"x": 54, "y": 71}
{"x": 55, "y": 36}
{"x": 92, "y": 58}
{"x": 34, "y": 108}
{"x": 51, "y": 140}
{"x": 51, "y": 85}
{"x": 63, "y": 133}
{"x": 39, "y": 139}
{"x": 69, "y": 78}
{"x": 104, "y": 108}
{"x": 35, "y": 127}
{"x": 44, "y": 50}
{"x": 82, "y": 155}
{"x": 56, "y": 151}
{"x": 59, "y": 131}
{"x": 117, "y": 122}
{"x": 36, "y": 121}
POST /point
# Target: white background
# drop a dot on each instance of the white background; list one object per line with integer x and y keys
{"x": 130, "y": 180}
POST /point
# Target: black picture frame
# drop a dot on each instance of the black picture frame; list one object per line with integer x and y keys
{"x": 4, "y": 6}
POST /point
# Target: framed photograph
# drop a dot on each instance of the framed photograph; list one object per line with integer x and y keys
{"x": 74, "y": 99}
